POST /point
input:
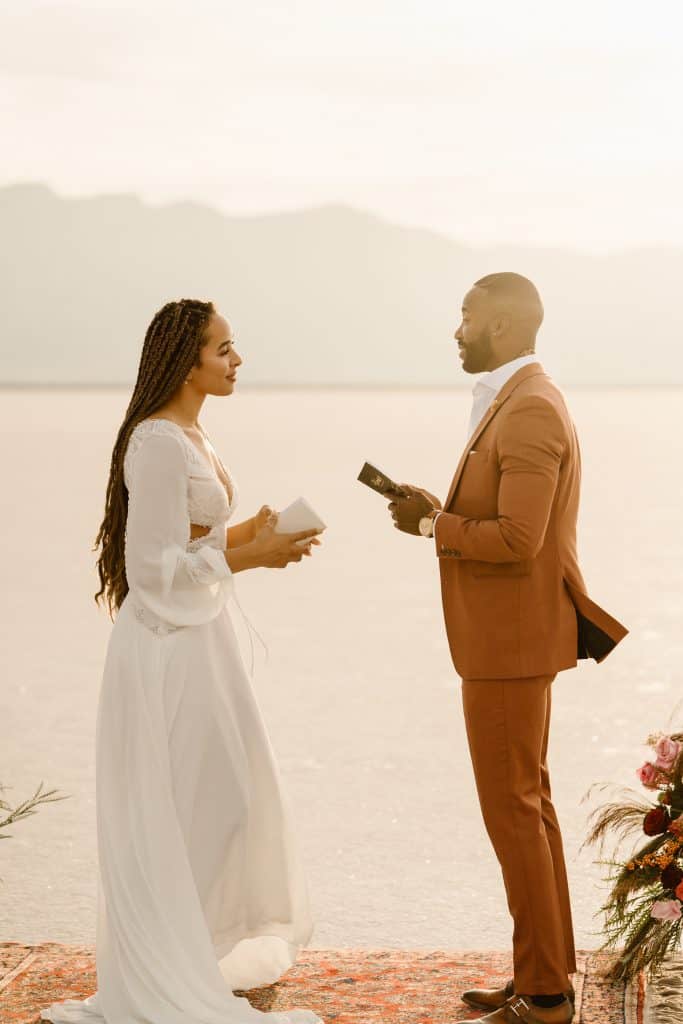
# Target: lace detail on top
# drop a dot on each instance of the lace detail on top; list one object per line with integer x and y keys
{"x": 216, "y": 538}
{"x": 208, "y": 503}
{"x": 156, "y": 625}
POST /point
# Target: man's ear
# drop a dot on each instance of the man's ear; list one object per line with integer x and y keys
{"x": 500, "y": 325}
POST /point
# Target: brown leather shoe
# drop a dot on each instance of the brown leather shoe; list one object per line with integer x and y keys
{"x": 489, "y": 998}
{"x": 520, "y": 1010}
{"x": 493, "y": 998}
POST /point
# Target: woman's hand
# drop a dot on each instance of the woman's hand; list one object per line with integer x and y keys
{"x": 276, "y": 550}
{"x": 261, "y": 518}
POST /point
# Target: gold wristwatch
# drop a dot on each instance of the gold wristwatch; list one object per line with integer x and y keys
{"x": 426, "y": 524}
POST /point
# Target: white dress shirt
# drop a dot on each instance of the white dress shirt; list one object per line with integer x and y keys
{"x": 486, "y": 389}
{"x": 488, "y": 386}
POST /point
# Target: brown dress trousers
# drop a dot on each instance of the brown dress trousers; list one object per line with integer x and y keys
{"x": 507, "y": 723}
{"x": 517, "y": 612}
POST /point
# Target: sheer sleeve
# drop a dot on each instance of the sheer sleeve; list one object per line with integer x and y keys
{"x": 184, "y": 588}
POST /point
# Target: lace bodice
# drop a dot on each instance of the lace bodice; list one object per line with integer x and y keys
{"x": 208, "y": 501}
{"x": 174, "y": 580}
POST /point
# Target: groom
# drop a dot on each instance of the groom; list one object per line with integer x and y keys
{"x": 517, "y": 613}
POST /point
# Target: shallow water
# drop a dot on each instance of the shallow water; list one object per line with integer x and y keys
{"x": 361, "y": 700}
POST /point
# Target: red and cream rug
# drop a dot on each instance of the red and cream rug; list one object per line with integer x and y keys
{"x": 344, "y": 986}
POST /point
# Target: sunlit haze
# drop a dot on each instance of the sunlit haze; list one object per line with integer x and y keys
{"x": 527, "y": 123}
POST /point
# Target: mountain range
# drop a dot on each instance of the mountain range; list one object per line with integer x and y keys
{"x": 330, "y": 296}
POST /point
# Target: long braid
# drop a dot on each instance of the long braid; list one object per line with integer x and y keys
{"x": 171, "y": 348}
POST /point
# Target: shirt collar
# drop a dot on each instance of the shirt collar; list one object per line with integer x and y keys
{"x": 494, "y": 380}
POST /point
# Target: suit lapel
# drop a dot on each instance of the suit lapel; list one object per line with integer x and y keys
{"x": 530, "y": 370}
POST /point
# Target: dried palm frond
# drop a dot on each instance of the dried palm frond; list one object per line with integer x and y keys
{"x": 630, "y": 881}
{"x": 646, "y": 951}
{"x": 646, "y": 941}
{"x": 622, "y": 819}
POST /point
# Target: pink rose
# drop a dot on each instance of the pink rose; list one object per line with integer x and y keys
{"x": 648, "y": 775}
{"x": 679, "y": 892}
{"x": 667, "y": 751}
{"x": 666, "y": 910}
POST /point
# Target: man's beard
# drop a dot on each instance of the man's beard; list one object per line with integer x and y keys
{"x": 477, "y": 353}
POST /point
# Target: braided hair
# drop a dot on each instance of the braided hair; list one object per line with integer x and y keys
{"x": 171, "y": 348}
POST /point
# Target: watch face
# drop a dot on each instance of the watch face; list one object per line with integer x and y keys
{"x": 425, "y": 526}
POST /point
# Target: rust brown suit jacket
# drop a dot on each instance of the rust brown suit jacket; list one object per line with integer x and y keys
{"x": 514, "y": 599}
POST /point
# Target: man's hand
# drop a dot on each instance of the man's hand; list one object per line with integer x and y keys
{"x": 420, "y": 490}
{"x": 407, "y": 512}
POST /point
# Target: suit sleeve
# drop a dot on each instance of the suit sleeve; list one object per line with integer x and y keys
{"x": 182, "y": 587}
{"x": 530, "y": 449}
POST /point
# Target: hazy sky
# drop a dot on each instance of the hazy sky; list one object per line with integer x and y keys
{"x": 501, "y": 121}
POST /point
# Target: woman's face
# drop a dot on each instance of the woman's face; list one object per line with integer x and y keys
{"x": 219, "y": 359}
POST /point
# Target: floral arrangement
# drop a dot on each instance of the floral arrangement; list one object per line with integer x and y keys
{"x": 644, "y": 909}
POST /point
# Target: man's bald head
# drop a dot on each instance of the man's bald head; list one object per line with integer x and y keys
{"x": 501, "y": 314}
{"x": 512, "y": 295}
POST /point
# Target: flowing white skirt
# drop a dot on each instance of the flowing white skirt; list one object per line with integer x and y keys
{"x": 200, "y": 888}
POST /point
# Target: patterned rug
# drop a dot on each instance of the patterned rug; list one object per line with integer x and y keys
{"x": 344, "y": 986}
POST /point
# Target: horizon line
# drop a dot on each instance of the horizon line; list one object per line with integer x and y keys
{"x": 325, "y": 386}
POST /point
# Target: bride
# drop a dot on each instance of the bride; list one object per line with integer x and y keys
{"x": 200, "y": 888}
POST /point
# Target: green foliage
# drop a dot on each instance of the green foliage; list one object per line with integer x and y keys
{"x": 26, "y": 807}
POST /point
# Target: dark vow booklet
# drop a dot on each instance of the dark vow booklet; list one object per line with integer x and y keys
{"x": 379, "y": 481}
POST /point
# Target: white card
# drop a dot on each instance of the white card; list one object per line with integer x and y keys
{"x": 300, "y": 515}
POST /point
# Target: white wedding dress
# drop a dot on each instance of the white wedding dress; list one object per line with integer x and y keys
{"x": 200, "y": 888}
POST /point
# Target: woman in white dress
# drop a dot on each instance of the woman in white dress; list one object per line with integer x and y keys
{"x": 200, "y": 888}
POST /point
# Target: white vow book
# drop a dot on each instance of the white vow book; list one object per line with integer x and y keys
{"x": 300, "y": 515}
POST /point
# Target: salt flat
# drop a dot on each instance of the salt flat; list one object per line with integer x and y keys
{"x": 361, "y": 700}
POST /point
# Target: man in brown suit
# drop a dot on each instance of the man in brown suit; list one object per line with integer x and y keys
{"x": 517, "y": 613}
